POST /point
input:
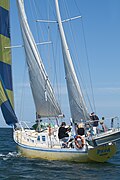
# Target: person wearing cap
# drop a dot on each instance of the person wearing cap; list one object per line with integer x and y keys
{"x": 95, "y": 121}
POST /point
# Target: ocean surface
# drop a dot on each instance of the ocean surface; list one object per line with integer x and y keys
{"x": 15, "y": 167}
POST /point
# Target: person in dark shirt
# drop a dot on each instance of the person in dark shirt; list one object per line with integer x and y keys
{"x": 63, "y": 132}
{"x": 95, "y": 119}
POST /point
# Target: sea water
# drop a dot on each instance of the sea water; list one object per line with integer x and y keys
{"x": 15, "y": 167}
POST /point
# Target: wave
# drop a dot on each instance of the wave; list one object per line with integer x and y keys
{"x": 9, "y": 155}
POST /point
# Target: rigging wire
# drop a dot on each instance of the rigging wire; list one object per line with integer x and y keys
{"x": 55, "y": 81}
{"x": 87, "y": 56}
{"x": 39, "y": 27}
{"x": 88, "y": 67}
{"x": 21, "y": 110}
{"x": 76, "y": 55}
{"x": 54, "y": 53}
{"x": 47, "y": 30}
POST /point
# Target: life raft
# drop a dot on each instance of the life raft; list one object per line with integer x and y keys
{"x": 79, "y": 145}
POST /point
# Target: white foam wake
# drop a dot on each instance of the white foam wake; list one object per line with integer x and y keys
{"x": 9, "y": 155}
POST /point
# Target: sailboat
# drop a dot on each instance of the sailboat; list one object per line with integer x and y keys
{"x": 43, "y": 142}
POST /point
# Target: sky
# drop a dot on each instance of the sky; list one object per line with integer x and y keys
{"x": 101, "y": 22}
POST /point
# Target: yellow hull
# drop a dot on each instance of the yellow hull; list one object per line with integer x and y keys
{"x": 102, "y": 153}
{"x": 98, "y": 154}
{"x": 54, "y": 155}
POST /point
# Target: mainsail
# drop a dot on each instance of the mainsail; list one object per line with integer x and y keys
{"x": 6, "y": 88}
{"x": 44, "y": 98}
{"x": 77, "y": 104}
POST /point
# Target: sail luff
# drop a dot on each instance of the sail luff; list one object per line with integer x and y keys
{"x": 76, "y": 100}
{"x": 43, "y": 94}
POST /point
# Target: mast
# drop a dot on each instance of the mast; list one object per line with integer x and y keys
{"x": 76, "y": 101}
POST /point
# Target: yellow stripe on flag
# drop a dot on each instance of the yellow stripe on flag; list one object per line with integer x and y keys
{"x": 10, "y": 95}
{"x": 5, "y": 4}
{"x": 3, "y": 97}
{"x": 5, "y": 54}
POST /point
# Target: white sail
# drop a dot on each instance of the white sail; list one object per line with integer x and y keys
{"x": 44, "y": 98}
{"x": 76, "y": 101}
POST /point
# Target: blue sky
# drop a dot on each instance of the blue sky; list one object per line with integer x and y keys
{"x": 101, "y": 20}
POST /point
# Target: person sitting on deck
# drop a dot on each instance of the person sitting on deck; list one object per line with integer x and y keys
{"x": 64, "y": 136}
{"x": 81, "y": 130}
{"x": 38, "y": 126}
{"x": 63, "y": 132}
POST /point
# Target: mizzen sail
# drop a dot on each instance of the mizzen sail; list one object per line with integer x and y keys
{"x": 76, "y": 101}
{"x": 44, "y": 98}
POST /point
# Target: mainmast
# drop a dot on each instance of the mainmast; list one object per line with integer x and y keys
{"x": 76, "y": 101}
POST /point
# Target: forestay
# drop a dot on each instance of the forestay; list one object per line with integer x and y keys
{"x": 44, "y": 98}
{"x": 76, "y": 101}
